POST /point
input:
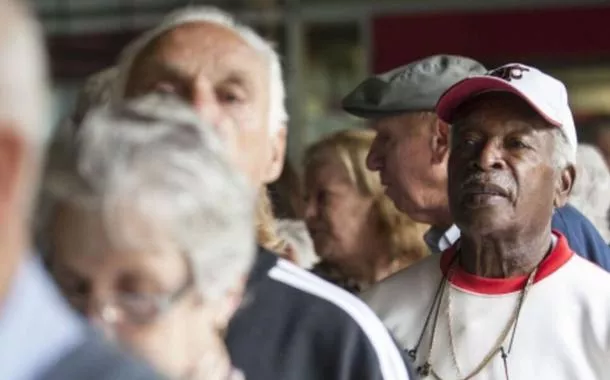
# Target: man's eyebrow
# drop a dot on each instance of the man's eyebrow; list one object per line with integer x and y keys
{"x": 237, "y": 77}
{"x": 166, "y": 69}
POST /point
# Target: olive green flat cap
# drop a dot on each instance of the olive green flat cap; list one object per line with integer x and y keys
{"x": 413, "y": 87}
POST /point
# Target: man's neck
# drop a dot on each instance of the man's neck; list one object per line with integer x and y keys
{"x": 503, "y": 256}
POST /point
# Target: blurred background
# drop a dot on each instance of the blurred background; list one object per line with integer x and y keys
{"x": 329, "y": 46}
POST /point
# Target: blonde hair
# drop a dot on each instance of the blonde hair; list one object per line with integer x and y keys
{"x": 266, "y": 227}
{"x": 405, "y": 237}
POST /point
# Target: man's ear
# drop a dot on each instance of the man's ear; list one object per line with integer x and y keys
{"x": 440, "y": 140}
{"x": 277, "y": 155}
{"x": 563, "y": 187}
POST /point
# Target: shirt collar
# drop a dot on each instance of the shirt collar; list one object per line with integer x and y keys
{"x": 36, "y": 325}
{"x": 438, "y": 239}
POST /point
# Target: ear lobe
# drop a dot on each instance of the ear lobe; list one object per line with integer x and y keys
{"x": 440, "y": 140}
{"x": 564, "y": 185}
{"x": 277, "y": 153}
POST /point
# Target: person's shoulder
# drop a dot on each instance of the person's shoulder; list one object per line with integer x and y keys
{"x": 568, "y": 217}
{"x": 95, "y": 359}
{"x": 327, "y": 310}
{"x": 582, "y": 235}
{"x": 589, "y": 275}
{"x": 410, "y": 281}
{"x": 309, "y": 289}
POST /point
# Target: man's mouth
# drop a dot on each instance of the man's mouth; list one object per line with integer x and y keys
{"x": 483, "y": 193}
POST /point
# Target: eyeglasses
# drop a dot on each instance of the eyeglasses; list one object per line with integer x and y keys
{"x": 138, "y": 308}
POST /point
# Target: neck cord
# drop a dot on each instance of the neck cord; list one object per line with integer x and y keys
{"x": 426, "y": 369}
{"x": 499, "y": 346}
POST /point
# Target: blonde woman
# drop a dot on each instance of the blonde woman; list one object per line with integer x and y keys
{"x": 358, "y": 233}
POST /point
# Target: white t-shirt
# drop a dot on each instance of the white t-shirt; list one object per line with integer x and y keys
{"x": 563, "y": 331}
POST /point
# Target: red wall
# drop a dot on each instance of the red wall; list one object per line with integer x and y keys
{"x": 575, "y": 33}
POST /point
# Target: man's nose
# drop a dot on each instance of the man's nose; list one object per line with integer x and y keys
{"x": 204, "y": 100}
{"x": 490, "y": 157}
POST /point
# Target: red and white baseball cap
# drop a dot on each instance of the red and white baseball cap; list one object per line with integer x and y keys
{"x": 545, "y": 94}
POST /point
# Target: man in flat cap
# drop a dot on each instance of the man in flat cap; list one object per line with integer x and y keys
{"x": 412, "y": 148}
{"x": 412, "y": 145}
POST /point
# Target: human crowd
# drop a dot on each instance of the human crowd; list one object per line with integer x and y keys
{"x": 158, "y": 234}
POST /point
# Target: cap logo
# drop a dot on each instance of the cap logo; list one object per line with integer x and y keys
{"x": 509, "y": 73}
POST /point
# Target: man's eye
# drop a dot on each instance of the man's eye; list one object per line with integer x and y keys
{"x": 467, "y": 142}
{"x": 230, "y": 96}
{"x": 516, "y": 144}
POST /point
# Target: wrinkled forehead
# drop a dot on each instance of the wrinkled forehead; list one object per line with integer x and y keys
{"x": 203, "y": 48}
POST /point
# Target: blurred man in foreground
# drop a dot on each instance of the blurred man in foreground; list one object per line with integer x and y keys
{"x": 510, "y": 300}
{"x": 291, "y": 325}
{"x": 40, "y": 337}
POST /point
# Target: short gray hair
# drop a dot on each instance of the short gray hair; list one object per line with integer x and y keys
{"x": 564, "y": 153}
{"x": 24, "y": 87}
{"x": 278, "y": 117}
{"x": 96, "y": 91}
{"x": 154, "y": 155}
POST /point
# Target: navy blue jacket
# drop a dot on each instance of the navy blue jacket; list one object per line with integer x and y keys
{"x": 582, "y": 235}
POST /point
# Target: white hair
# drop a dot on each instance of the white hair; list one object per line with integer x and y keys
{"x": 591, "y": 191}
{"x": 24, "y": 90}
{"x": 278, "y": 117}
{"x": 153, "y": 158}
{"x": 564, "y": 153}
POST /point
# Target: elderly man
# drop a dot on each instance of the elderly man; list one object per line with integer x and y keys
{"x": 412, "y": 148}
{"x": 510, "y": 299}
{"x": 40, "y": 338}
{"x": 291, "y": 324}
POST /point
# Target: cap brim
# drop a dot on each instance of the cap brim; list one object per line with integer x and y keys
{"x": 468, "y": 88}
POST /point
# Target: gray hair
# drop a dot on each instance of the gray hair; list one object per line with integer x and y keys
{"x": 23, "y": 74}
{"x": 591, "y": 191}
{"x": 154, "y": 156}
{"x": 564, "y": 153}
{"x": 278, "y": 117}
{"x": 96, "y": 91}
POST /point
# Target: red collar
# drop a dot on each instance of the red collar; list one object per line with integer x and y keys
{"x": 483, "y": 285}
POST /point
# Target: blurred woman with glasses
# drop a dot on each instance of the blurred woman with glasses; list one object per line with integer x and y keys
{"x": 149, "y": 233}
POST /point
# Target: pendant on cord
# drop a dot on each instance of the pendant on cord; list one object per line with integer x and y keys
{"x": 424, "y": 370}
{"x": 412, "y": 354}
